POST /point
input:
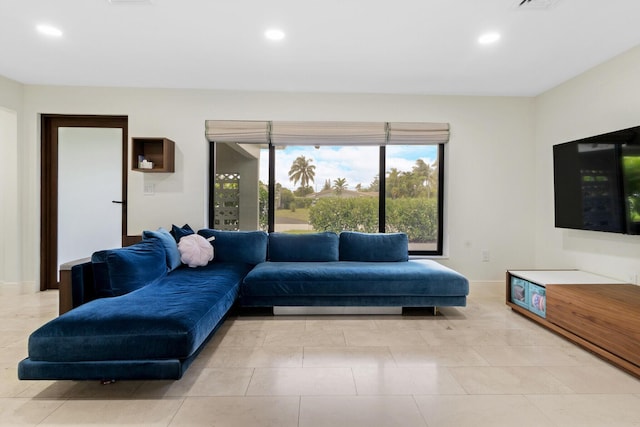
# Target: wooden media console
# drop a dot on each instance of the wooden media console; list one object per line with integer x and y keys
{"x": 600, "y": 314}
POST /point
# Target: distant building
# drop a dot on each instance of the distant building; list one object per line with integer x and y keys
{"x": 344, "y": 194}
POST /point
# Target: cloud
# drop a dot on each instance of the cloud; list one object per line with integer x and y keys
{"x": 357, "y": 164}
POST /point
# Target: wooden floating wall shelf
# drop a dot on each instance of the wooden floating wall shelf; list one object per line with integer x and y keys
{"x": 159, "y": 151}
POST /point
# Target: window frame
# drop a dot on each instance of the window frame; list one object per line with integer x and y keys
{"x": 381, "y": 194}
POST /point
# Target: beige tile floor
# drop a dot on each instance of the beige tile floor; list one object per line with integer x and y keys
{"x": 481, "y": 365}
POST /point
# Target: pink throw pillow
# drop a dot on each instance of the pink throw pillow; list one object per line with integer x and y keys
{"x": 195, "y": 250}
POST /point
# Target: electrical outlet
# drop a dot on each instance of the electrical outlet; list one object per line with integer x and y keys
{"x": 486, "y": 255}
{"x": 149, "y": 189}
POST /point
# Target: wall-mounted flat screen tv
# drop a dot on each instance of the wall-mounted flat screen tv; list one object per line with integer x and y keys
{"x": 631, "y": 184}
{"x": 597, "y": 182}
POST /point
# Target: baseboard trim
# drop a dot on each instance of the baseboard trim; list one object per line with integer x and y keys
{"x": 486, "y": 282}
{"x": 18, "y": 288}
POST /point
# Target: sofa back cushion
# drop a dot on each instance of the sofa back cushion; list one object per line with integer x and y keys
{"x": 248, "y": 247}
{"x": 120, "y": 271}
{"x": 373, "y": 247}
{"x": 313, "y": 247}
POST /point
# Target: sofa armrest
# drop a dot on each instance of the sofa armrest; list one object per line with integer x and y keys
{"x": 82, "y": 285}
{"x": 76, "y": 284}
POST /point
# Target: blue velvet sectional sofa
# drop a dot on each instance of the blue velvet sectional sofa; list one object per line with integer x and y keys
{"x": 140, "y": 314}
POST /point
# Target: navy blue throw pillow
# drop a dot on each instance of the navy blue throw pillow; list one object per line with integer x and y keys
{"x": 179, "y": 232}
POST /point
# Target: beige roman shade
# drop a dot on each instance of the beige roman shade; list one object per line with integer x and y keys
{"x": 240, "y": 131}
{"x": 282, "y": 133}
{"x": 407, "y": 133}
{"x": 328, "y": 133}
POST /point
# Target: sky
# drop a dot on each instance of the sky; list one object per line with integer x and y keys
{"x": 358, "y": 164}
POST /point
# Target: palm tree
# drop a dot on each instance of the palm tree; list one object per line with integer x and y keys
{"x": 393, "y": 183}
{"x": 339, "y": 185}
{"x": 375, "y": 184}
{"x": 426, "y": 174}
{"x": 303, "y": 171}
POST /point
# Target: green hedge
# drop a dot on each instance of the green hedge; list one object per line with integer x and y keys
{"x": 416, "y": 217}
{"x": 337, "y": 214}
{"x": 303, "y": 202}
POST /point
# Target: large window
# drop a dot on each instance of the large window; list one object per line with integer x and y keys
{"x": 302, "y": 177}
{"x": 327, "y": 188}
{"x": 413, "y": 190}
{"x": 336, "y": 188}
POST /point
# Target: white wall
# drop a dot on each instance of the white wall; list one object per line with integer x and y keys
{"x": 11, "y": 104}
{"x": 9, "y": 213}
{"x": 489, "y": 178}
{"x": 604, "y": 99}
{"x": 499, "y": 194}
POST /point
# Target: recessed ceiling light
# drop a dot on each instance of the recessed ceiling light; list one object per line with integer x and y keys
{"x": 489, "y": 38}
{"x": 274, "y": 34}
{"x": 49, "y": 30}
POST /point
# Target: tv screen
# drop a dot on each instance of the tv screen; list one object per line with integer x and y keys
{"x": 631, "y": 186}
{"x": 587, "y": 187}
{"x": 597, "y": 182}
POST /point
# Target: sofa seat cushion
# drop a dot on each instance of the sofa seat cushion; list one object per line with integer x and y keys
{"x": 353, "y": 279}
{"x": 168, "y": 319}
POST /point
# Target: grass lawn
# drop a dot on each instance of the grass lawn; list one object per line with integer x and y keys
{"x": 297, "y": 222}
{"x": 285, "y": 216}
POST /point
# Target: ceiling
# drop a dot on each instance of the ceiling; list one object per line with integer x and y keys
{"x": 343, "y": 46}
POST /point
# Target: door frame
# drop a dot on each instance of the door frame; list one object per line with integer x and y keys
{"x": 49, "y": 125}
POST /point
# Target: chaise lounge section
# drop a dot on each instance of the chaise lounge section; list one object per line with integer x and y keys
{"x": 147, "y": 323}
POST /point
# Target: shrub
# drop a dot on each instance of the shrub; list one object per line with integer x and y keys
{"x": 415, "y": 216}
{"x": 303, "y": 202}
{"x": 337, "y": 214}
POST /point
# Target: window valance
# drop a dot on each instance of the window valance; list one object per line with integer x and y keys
{"x": 240, "y": 131}
{"x": 404, "y": 133}
{"x": 326, "y": 133}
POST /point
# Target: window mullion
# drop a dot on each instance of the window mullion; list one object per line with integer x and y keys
{"x": 271, "y": 214}
{"x": 382, "y": 193}
{"x": 440, "y": 198}
{"x": 212, "y": 183}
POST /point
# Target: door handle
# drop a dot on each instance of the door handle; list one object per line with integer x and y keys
{"x": 120, "y": 202}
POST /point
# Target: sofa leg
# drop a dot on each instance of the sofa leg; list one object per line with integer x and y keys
{"x": 435, "y": 311}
